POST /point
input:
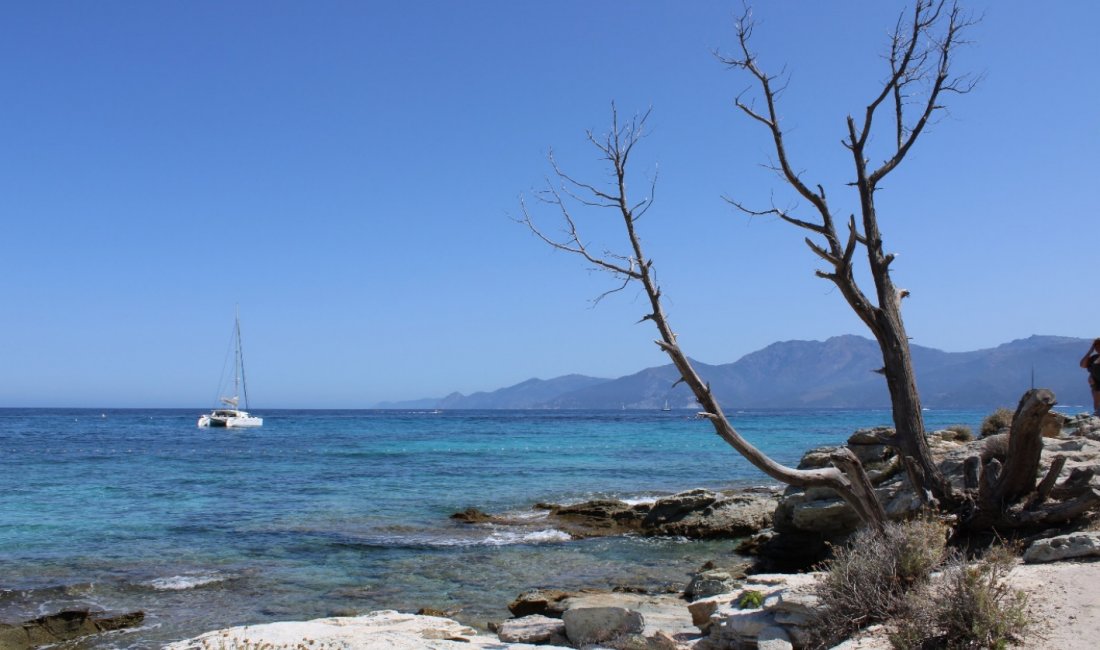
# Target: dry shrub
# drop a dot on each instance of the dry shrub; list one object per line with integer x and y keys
{"x": 962, "y": 432}
{"x": 867, "y": 581}
{"x": 997, "y": 420}
{"x": 973, "y": 607}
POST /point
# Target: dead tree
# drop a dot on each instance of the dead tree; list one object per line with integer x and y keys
{"x": 847, "y": 477}
{"x": 920, "y": 56}
{"x": 1009, "y": 495}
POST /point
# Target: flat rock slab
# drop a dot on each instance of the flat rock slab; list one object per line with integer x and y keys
{"x": 383, "y": 629}
{"x": 663, "y": 612}
{"x": 535, "y": 629}
{"x": 1064, "y": 547}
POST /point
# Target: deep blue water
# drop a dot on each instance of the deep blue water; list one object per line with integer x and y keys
{"x": 323, "y": 512}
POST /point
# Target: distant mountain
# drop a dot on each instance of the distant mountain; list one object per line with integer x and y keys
{"x": 836, "y": 373}
{"x": 532, "y": 393}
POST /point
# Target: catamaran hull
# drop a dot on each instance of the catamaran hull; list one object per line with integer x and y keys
{"x": 238, "y": 422}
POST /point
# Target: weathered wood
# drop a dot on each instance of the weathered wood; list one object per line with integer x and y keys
{"x": 1047, "y": 484}
{"x": 972, "y": 472}
{"x": 1025, "y": 446}
{"x": 862, "y": 496}
{"x": 1055, "y": 512}
{"x": 1076, "y": 483}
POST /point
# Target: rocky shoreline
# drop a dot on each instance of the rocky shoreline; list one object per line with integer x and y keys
{"x": 767, "y": 602}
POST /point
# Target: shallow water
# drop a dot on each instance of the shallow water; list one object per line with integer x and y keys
{"x": 323, "y": 512}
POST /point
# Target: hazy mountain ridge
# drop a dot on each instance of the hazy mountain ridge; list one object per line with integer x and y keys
{"x": 835, "y": 373}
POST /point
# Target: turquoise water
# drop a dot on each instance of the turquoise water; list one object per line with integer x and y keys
{"x": 330, "y": 512}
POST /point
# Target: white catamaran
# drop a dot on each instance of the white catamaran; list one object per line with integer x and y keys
{"x": 230, "y": 416}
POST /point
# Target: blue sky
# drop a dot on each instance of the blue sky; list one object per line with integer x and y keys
{"x": 347, "y": 173}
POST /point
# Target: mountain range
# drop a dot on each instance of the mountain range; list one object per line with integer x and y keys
{"x": 835, "y": 373}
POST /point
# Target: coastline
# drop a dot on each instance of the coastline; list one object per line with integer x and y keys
{"x": 1063, "y": 597}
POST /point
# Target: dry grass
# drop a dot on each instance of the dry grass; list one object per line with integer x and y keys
{"x": 867, "y": 581}
{"x": 996, "y": 421}
{"x": 972, "y": 607}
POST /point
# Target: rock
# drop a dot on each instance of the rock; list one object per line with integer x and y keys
{"x": 818, "y": 457}
{"x": 703, "y": 609}
{"x": 736, "y": 626}
{"x": 660, "y": 612}
{"x": 545, "y": 602}
{"x": 534, "y": 629}
{"x": 472, "y": 516}
{"x": 1063, "y": 547}
{"x": 677, "y": 506}
{"x": 773, "y": 638}
{"x": 793, "y": 607}
{"x": 599, "y": 518}
{"x": 586, "y": 625}
{"x": 872, "y": 436}
{"x": 710, "y": 583}
{"x": 63, "y": 626}
{"x": 383, "y": 629}
{"x": 701, "y": 514}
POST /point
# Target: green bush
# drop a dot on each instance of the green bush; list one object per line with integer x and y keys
{"x": 997, "y": 420}
{"x": 750, "y": 599}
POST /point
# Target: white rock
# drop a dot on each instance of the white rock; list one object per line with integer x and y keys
{"x": 532, "y": 629}
{"x": 383, "y": 629}
{"x": 740, "y": 624}
{"x": 1063, "y": 547}
{"x": 773, "y": 638}
{"x": 661, "y": 612}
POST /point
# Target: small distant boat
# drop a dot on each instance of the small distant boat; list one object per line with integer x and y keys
{"x": 666, "y": 407}
{"x": 230, "y": 416}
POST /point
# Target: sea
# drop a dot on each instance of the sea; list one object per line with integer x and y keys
{"x": 322, "y": 513}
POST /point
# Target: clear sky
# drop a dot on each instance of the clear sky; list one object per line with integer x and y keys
{"x": 347, "y": 173}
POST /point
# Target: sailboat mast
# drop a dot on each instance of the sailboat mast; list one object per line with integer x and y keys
{"x": 240, "y": 361}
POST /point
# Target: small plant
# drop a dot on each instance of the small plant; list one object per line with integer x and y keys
{"x": 750, "y": 599}
{"x": 995, "y": 421}
{"x": 962, "y": 433}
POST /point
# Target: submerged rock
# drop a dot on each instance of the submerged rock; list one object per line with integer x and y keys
{"x": 63, "y": 626}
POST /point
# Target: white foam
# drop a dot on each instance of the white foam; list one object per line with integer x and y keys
{"x": 503, "y": 538}
{"x": 180, "y": 583}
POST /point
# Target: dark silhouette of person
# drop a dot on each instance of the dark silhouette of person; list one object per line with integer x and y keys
{"x": 1091, "y": 362}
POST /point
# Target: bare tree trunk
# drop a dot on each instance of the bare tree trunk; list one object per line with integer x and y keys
{"x": 920, "y": 53}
